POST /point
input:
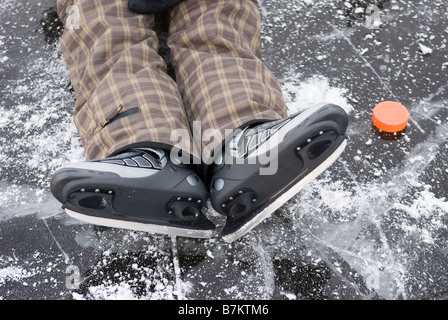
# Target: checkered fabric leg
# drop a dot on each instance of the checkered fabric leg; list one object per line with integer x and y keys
{"x": 215, "y": 50}
{"x": 124, "y": 96}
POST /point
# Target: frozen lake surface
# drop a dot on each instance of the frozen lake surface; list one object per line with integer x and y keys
{"x": 373, "y": 226}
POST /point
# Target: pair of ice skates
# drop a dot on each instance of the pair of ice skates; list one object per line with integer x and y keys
{"x": 145, "y": 190}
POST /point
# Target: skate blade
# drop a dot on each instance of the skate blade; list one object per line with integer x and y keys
{"x": 286, "y": 196}
{"x": 138, "y": 226}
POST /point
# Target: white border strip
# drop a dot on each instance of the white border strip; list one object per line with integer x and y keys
{"x": 138, "y": 226}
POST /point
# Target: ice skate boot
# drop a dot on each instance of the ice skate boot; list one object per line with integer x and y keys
{"x": 264, "y": 166}
{"x": 138, "y": 190}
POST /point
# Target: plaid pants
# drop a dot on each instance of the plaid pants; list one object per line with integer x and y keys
{"x": 125, "y": 98}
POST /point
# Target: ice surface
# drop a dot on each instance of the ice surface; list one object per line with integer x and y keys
{"x": 372, "y": 226}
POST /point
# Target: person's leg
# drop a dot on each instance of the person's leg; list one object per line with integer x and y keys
{"x": 126, "y": 109}
{"x": 215, "y": 49}
{"x": 216, "y": 53}
{"x": 124, "y": 97}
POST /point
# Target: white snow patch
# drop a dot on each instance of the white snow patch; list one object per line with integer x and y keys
{"x": 14, "y": 273}
{"x": 36, "y": 121}
{"x": 424, "y": 49}
{"x": 120, "y": 291}
{"x": 301, "y": 94}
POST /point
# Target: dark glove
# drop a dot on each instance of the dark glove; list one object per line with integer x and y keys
{"x": 151, "y": 6}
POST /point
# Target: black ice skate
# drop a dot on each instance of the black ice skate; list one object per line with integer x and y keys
{"x": 138, "y": 190}
{"x": 264, "y": 166}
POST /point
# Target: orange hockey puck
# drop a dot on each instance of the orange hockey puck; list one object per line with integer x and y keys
{"x": 390, "y": 116}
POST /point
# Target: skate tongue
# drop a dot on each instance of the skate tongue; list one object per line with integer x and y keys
{"x": 237, "y": 143}
{"x": 157, "y": 154}
{"x": 251, "y": 137}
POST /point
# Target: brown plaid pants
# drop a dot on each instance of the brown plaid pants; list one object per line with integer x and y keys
{"x": 125, "y": 98}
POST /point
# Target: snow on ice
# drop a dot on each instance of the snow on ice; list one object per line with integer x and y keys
{"x": 374, "y": 225}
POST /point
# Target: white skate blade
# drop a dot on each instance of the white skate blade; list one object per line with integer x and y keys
{"x": 286, "y": 196}
{"x": 138, "y": 226}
